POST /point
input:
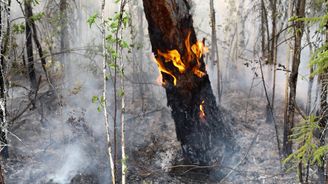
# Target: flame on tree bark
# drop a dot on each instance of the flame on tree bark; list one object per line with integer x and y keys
{"x": 189, "y": 94}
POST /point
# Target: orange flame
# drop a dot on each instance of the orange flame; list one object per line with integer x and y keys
{"x": 173, "y": 56}
{"x": 162, "y": 68}
{"x": 196, "y": 51}
{"x": 202, "y": 111}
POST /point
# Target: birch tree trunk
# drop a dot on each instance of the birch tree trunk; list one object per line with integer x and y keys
{"x": 4, "y": 55}
{"x": 104, "y": 95}
{"x": 123, "y": 154}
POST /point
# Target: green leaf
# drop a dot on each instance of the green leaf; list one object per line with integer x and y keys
{"x": 121, "y": 93}
{"x": 92, "y": 19}
{"x": 19, "y": 28}
{"x": 95, "y": 99}
{"x": 102, "y": 100}
{"x": 38, "y": 16}
{"x": 99, "y": 109}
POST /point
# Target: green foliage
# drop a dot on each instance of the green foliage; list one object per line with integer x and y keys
{"x": 322, "y": 20}
{"x": 36, "y": 2}
{"x": 92, "y": 19}
{"x": 100, "y": 101}
{"x": 115, "y": 45}
{"x": 19, "y": 28}
{"x": 95, "y": 99}
{"x": 37, "y": 17}
{"x": 320, "y": 60}
{"x": 308, "y": 151}
{"x": 318, "y": 154}
{"x": 121, "y": 93}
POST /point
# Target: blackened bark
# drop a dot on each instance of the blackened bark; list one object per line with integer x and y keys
{"x": 39, "y": 47}
{"x": 29, "y": 44}
{"x": 298, "y": 33}
{"x": 169, "y": 24}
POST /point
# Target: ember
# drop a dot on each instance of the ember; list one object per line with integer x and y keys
{"x": 202, "y": 111}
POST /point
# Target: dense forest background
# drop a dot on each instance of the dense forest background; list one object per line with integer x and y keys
{"x": 86, "y": 98}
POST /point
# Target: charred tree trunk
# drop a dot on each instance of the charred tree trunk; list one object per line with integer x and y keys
{"x": 29, "y": 44}
{"x": 37, "y": 42}
{"x": 170, "y": 23}
{"x": 298, "y": 33}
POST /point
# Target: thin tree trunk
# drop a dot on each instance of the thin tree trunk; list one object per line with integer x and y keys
{"x": 298, "y": 33}
{"x": 289, "y": 54}
{"x": 263, "y": 39}
{"x": 133, "y": 35}
{"x": 2, "y": 178}
{"x": 104, "y": 95}
{"x": 311, "y": 78}
{"x": 124, "y": 158}
{"x": 4, "y": 47}
{"x": 197, "y": 134}
{"x": 273, "y": 57}
{"x": 29, "y": 45}
{"x": 323, "y": 114}
{"x": 215, "y": 51}
{"x": 266, "y": 24}
{"x": 140, "y": 58}
{"x": 40, "y": 50}
{"x": 65, "y": 42}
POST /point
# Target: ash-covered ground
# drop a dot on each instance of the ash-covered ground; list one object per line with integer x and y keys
{"x": 54, "y": 142}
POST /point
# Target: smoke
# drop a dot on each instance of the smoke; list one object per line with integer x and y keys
{"x": 74, "y": 160}
{"x": 72, "y": 138}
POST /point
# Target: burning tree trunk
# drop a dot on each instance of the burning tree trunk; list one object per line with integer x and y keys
{"x": 198, "y": 120}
